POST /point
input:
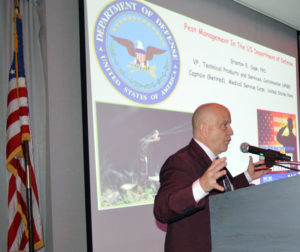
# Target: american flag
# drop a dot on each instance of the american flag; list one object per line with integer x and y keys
{"x": 266, "y": 130}
{"x": 269, "y": 123}
{"x": 18, "y": 131}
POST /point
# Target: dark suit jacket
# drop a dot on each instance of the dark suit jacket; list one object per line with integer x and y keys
{"x": 188, "y": 221}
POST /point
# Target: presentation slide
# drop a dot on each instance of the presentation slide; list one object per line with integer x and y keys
{"x": 148, "y": 69}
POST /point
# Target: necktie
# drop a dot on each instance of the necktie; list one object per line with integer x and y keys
{"x": 227, "y": 184}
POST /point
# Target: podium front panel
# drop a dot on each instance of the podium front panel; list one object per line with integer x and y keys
{"x": 260, "y": 218}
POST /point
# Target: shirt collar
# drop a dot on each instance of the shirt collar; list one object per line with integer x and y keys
{"x": 207, "y": 150}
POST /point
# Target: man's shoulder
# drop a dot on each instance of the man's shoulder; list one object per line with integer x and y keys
{"x": 184, "y": 152}
{"x": 184, "y": 149}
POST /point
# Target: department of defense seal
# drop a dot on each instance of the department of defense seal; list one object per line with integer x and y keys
{"x": 136, "y": 51}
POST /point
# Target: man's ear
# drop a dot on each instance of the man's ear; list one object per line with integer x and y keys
{"x": 203, "y": 130}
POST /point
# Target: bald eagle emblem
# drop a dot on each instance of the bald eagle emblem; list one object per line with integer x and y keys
{"x": 141, "y": 56}
{"x": 136, "y": 52}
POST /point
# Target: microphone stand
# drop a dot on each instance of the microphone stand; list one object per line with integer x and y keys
{"x": 291, "y": 163}
{"x": 271, "y": 161}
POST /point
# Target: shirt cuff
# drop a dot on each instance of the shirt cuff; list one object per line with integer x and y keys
{"x": 248, "y": 176}
{"x": 198, "y": 192}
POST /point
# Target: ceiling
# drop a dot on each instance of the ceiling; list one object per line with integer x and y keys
{"x": 285, "y": 11}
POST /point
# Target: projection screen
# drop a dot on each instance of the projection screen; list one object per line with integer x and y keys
{"x": 148, "y": 67}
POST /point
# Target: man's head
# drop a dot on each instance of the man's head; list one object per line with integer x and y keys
{"x": 212, "y": 126}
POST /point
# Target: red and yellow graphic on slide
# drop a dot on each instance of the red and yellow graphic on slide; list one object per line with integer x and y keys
{"x": 277, "y": 131}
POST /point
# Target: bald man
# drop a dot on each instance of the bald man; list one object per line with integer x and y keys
{"x": 194, "y": 173}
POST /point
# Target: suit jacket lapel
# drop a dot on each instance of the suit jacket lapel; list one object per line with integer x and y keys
{"x": 199, "y": 155}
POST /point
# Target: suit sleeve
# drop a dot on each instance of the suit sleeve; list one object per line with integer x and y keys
{"x": 175, "y": 199}
{"x": 240, "y": 181}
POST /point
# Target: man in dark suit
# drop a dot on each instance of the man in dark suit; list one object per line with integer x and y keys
{"x": 194, "y": 173}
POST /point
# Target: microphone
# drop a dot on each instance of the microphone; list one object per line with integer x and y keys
{"x": 268, "y": 154}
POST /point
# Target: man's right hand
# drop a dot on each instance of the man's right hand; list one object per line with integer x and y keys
{"x": 208, "y": 180}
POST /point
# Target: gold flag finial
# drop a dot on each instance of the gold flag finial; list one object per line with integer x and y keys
{"x": 17, "y": 4}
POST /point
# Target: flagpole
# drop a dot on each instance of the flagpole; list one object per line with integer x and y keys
{"x": 28, "y": 195}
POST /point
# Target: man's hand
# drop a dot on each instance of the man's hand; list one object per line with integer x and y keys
{"x": 208, "y": 180}
{"x": 257, "y": 169}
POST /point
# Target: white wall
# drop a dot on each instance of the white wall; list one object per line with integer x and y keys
{"x": 66, "y": 174}
{"x": 3, "y": 184}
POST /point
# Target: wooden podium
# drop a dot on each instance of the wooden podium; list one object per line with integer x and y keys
{"x": 261, "y": 218}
